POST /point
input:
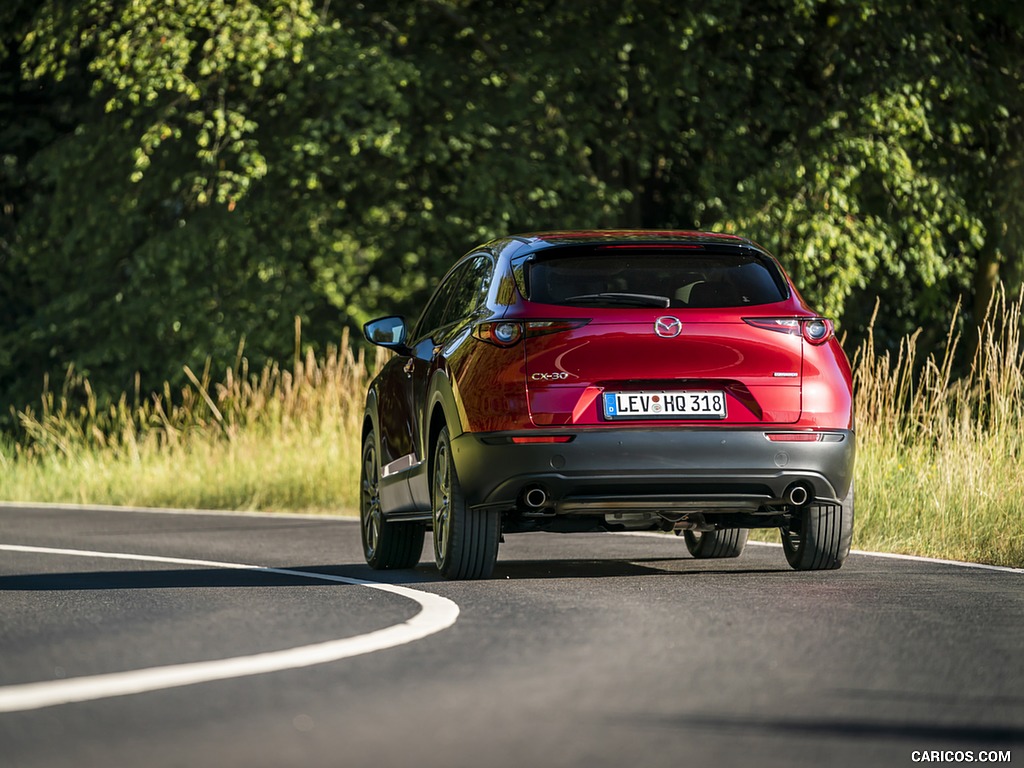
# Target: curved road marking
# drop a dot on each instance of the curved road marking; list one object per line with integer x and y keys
{"x": 438, "y": 613}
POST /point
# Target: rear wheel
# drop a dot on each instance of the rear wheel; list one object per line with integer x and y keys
{"x": 385, "y": 545}
{"x": 819, "y": 538}
{"x": 727, "y": 542}
{"x": 465, "y": 540}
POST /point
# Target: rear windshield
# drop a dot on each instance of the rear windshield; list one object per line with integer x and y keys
{"x": 652, "y": 279}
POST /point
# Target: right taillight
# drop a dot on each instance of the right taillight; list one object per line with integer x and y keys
{"x": 816, "y": 330}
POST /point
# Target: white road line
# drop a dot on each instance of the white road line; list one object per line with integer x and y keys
{"x": 58, "y": 506}
{"x": 884, "y": 555}
{"x": 437, "y": 613}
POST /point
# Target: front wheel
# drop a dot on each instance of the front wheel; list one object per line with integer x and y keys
{"x": 727, "y": 542}
{"x": 465, "y": 540}
{"x": 385, "y": 544}
{"x": 819, "y": 538}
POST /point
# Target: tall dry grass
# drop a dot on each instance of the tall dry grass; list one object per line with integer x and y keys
{"x": 939, "y": 456}
{"x": 274, "y": 439}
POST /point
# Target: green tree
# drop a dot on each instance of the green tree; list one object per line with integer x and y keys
{"x": 188, "y": 204}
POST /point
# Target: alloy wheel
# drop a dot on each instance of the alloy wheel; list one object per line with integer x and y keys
{"x": 371, "y": 509}
{"x": 442, "y": 502}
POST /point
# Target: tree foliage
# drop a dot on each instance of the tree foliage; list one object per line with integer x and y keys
{"x": 179, "y": 175}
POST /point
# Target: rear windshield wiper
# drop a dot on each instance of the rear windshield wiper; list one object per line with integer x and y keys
{"x": 619, "y": 299}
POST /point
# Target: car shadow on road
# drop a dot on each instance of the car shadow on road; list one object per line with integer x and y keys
{"x": 594, "y": 568}
{"x": 573, "y": 568}
{"x": 962, "y": 734}
{"x": 178, "y": 578}
{"x": 424, "y": 573}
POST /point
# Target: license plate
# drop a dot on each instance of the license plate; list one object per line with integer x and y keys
{"x": 691, "y": 404}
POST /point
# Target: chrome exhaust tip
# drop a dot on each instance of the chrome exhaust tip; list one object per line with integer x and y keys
{"x": 535, "y": 497}
{"x": 798, "y": 495}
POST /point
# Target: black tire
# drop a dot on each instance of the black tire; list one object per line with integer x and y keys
{"x": 727, "y": 542}
{"x": 465, "y": 540}
{"x": 819, "y": 539}
{"x": 385, "y": 545}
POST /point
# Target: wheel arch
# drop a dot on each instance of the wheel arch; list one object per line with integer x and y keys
{"x": 369, "y": 418}
{"x": 443, "y": 412}
{"x": 438, "y": 421}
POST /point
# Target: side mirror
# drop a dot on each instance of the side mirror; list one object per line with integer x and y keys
{"x": 388, "y": 332}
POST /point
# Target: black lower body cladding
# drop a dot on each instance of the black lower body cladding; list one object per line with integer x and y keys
{"x": 652, "y": 469}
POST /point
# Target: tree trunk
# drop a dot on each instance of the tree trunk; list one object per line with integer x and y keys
{"x": 986, "y": 278}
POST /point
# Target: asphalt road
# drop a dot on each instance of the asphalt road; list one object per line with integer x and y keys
{"x": 584, "y": 650}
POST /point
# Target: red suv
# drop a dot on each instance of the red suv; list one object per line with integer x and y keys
{"x": 582, "y": 381}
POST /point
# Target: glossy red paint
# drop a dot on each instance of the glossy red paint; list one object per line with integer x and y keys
{"x": 619, "y": 350}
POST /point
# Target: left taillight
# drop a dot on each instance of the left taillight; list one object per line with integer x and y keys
{"x": 502, "y": 333}
{"x": 507, "y": 333}
{"x": 815, "y": 330}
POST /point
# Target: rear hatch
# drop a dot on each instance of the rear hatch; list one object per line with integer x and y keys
{"x": 660, "y": 336}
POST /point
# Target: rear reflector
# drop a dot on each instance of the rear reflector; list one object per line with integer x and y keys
{"x": 542, "y": 439}
{"x": 805, "y": 437}
{"x": 793, "y": 437}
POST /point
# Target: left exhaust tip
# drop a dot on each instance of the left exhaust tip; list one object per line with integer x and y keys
{"x": 534, "y": 496}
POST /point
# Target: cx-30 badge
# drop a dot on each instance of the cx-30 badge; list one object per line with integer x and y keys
{"x": 668, "y": 327}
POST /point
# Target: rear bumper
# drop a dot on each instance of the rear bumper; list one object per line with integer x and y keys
{"x": 651, "y": 470}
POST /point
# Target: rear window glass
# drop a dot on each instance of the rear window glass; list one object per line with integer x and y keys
{"x": 652, "y": 279}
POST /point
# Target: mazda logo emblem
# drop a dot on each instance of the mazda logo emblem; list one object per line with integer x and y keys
{"x": 668, "y": 327}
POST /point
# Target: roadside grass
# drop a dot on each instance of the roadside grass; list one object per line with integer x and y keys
{"x": 283, "y": 440}
{"x": 939, "y": 464}
{"x": 938, "y": 467}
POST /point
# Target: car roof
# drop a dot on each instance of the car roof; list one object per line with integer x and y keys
{"x": 521, "y": 245}
{"x": 601, "y": 236}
